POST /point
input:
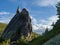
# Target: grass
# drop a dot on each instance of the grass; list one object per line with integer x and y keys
{"x": 2, "y": 27}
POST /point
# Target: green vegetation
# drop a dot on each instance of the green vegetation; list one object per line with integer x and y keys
{"x": 43, "y": 39}
{"x": 2, "y": 27}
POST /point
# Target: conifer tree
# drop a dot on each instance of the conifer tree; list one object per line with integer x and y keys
{"x": 53, "y": 24}
{"x": 56, "y": 26}
{"x": 46, "y": 31}
{"x": 58, "y": 9}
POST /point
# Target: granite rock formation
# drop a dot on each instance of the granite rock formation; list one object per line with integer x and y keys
{"x": 19, "y": 24}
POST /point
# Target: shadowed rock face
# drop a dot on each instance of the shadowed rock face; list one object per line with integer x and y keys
{"x": 26, "y": 26}
{"x": 19, "y": 24}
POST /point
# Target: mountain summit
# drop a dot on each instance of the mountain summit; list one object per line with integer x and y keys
{"x": 19, "y": 24}
{"x": 18, "y": 10}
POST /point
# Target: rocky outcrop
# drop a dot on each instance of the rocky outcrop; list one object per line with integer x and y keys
{"x": 19, "y": 24}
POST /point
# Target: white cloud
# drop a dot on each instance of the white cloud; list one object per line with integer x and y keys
{"x": 53, "y": 19}
{"x": 35, "y": 27}
{"x": 41, "y": 24}
{"x": 2, "y": 13}
{"x": 46, "y": 2}
{"x": 5, "y": 17}
{"x": 5, "y": 21}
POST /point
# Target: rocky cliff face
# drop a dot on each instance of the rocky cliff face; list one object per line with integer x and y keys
{"x": 19, "y": 24}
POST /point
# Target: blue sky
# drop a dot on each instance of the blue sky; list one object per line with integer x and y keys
{"x": 42, "y": 12}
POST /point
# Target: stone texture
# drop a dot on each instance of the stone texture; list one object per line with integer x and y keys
{"x": 19, "y": 24}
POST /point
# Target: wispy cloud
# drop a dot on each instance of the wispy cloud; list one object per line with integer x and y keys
{"x": 5, "y": 17}
{"x": 46, "y": 2}
{"x": 5, "y": 21}
{"x": 3, "y": 13}
{"x": 42, "y": 24}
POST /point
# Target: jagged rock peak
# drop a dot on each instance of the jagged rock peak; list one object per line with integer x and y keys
{"x": 24, "y": 11}
{"x": 18, "y": 9}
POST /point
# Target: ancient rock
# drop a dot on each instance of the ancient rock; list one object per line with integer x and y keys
{"x": 19, "y": 24}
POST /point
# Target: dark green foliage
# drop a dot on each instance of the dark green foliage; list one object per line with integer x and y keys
{"x": 58, "y": 9}
{"x": 46, "y": 37}
{"x": 53, "y": 24}
{"x": 1, "y": 40}
{"x": 22, "y": 43}
{"x": 46, "y": 31}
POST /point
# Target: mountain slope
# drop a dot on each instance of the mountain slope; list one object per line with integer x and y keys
{"x": 54, "y": 41}
{"x": 2, "y": 27}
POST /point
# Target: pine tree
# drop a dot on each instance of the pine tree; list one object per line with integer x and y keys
{"x": 58, "y": 9}
{"x": 56, "y": 26}
{"x": 53, "y": 24}
{"x": 58, "y": 13}
{"x": 46, "y": 31}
